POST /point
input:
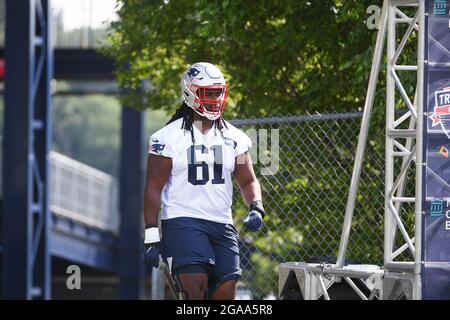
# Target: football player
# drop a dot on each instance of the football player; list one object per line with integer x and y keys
{"x": 190, "y": 166}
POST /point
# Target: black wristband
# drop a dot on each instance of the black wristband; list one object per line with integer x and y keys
{"x": 151, "y": 225}
{"x": 258, "y": 206}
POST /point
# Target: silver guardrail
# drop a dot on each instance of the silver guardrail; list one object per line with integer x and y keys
{"x": 83, "y": 194}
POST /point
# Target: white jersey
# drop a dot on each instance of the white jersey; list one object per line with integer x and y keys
{"x": 200, "y": 184}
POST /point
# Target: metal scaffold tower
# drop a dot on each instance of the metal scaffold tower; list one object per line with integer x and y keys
{"x": 26, "y": 148}
{"x": 402, "y": 275}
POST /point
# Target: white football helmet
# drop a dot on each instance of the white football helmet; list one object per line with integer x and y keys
{"x": 203, "y": 89}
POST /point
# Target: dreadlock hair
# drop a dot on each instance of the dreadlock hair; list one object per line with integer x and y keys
{"x": 188, "y": 119}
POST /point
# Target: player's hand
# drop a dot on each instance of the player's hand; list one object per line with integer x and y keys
{"x": 152, "y": 247}
{"x": 152, "y": 252}
{"x": 254, "y": 219}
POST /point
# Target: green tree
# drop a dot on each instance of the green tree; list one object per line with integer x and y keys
{"x": 87, "y": 129}
{"x": 278, "y": 56}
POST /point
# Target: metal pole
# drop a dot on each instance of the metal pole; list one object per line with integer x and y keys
{"x": 355, "y": 288}
{"x": 417, "y": 291}
{"x": 390, "y": 110}
{"x": 401, "y": 188}
{"x": 323, "y": 287}
{"x": 42, "y": 138}
{"x": 26, "y": 147}
{"x": 131, "y": 265}
{"x": 362, "y": 137}
{"x": 16, "y": 151}
{"x": 158, "y": 283}
{"x": 412, "y": 123}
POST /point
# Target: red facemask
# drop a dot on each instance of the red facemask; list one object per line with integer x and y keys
{"x": 211, "y": 99}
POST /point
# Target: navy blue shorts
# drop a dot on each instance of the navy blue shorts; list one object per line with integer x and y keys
{"x": 188, "y": 242}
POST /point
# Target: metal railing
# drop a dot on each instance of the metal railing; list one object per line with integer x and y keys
{"x": 83, "y": 194}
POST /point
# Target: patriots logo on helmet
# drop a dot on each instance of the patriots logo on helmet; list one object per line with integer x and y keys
{"x": 156, "y": 148}
{"x": 192, "y": 73}
{"x": 441, "y": 114}
{"x": 230, "y": 142}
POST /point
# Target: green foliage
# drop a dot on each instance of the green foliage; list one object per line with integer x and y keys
{"x": 306, "y": 201}
{"x": 278, "y": 56}
{"x": 87, "y": 129}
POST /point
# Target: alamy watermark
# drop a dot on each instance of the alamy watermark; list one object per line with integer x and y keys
{"x": 373, "y": 21}
{"x": 267, "y": 158}
{"x": 73, "y": 281}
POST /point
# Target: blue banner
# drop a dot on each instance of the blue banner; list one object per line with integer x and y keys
{"x": 436, "y": 143}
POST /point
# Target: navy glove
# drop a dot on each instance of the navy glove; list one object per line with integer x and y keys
{"x": 152, "y": 247}
{"x": 254, "y": 219}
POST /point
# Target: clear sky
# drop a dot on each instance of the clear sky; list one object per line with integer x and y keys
{"x": 77, "y": 13}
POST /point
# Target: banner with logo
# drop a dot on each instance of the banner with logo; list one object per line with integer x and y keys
{"x": 436, "y": 138}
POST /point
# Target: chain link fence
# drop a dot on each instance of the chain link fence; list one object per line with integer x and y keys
{"x": 304, "y": 165}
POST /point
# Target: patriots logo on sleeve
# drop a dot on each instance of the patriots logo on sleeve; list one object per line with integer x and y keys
{"x": 156, "y": 148}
